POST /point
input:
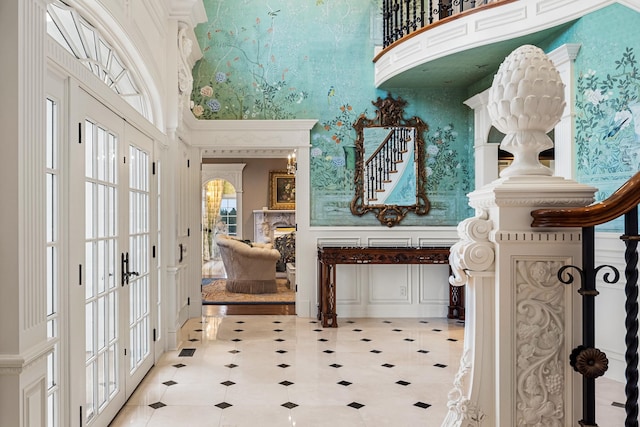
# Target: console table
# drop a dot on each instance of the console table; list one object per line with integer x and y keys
{"x": 330, "y": 256}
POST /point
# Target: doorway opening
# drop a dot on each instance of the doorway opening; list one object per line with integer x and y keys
{"x": 222, "y": 198}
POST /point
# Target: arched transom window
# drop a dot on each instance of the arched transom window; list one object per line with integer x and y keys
{"x": 86, "y": 43}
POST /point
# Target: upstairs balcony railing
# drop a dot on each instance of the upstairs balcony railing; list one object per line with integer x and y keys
{"x": 404, "y": 17}
{"x": 586, "y": 359}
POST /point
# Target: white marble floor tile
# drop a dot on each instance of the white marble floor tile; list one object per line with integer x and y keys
{"x": 289, "y": 371}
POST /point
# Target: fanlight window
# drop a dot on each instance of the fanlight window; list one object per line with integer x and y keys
{"x": 85, "y": 42}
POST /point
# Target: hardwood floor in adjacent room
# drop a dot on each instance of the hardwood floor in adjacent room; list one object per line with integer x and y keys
{"x": 249, "y": 309}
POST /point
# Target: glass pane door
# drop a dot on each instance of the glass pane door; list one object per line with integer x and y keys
{"x": 115, "y": 284}
{"x": 102, "y": 342}
{"x": 139, "y": 273}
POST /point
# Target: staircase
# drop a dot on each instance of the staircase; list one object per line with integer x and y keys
{"x": 383, "y": 169}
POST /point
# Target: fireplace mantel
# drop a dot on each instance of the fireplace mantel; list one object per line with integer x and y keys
{"x": 265, "y": 222}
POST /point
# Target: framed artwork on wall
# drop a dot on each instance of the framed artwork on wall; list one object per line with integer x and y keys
{"x": 282, "y": 190}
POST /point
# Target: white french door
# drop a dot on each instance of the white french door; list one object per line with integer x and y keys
{"x": 136, "y": 261}
{"x": 112, "y": 307}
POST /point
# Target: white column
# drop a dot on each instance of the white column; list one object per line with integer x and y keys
{"x": 564, "y": 58}
{"x": 485, "y": 154}
{"x": 23, "y": 344}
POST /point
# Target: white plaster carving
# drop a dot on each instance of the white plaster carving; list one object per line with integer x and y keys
{"x": 526, "y": 100}
{"x": 185, "y": 78}
{"x": 462, "y": 411}
{"x": 541, "y": 354}
{"x": 474, "y": 251}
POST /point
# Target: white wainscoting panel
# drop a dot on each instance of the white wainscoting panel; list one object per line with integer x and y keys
{"x": 390, "y": 284}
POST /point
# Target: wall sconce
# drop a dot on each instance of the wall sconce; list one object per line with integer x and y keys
{"x": 292, "y": 164}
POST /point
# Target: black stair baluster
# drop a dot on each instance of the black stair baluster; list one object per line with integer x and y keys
{"x": 631, "y": 320}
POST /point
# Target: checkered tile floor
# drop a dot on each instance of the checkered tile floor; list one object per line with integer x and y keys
{"x": 289, "y": 371}
{"x": 262, "y": 371}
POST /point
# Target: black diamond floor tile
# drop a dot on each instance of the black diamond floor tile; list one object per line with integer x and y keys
{"x": 355, "y": 405}
{"x": 397, "y": 330}
{"x": 317, "y": 330}
{"x": 197, "y": 330}
{"x": 387, "y": 321}
{"x": 157, "y": 405}
{"x": 277, "y": 321}
{"x": 421, "y": 405}
{"x": 323, "y": 340}
{"x": 376, "y": 351}
{"x": 345, "y": 383}
{"x": 409, "y": 339}
{"x": 335, "y": 365}
{"x": 231, "y": 365}
{"x": 283, "y": 365}
{"x": 285, "y": 383}
{"x": 236, "y": 340}
{"x": 170, "y": 383}
{"x": 350, "y": 321}
{"x": 440, "y": 365}
{"x": 223, "y": 405}
{"x": 234, "y": 351}
{"x": 194, "y": 339}
{"x": 423, "y": 321}
{"x": 186, "y": 352}
{"x": 179, "y": 365}
{"x": 279, "y": 339}
{"x": 227, "y": 383}
{"x": 388, "y": 365}
{"x": 281, "y": 351}
{"x": 240, "y": 321}
{"x": 238, "y": 330}
{"x": 452, "y": 339}
{"x": 365, "y": 339}
{"x": 277, "y": 330}
{"x": 402, "y": 382}
{"x": 437, "y": 330}
{"x": 328, "y": 351}
{"x": 423, "y": 351}
{"x": 357, "y": 330}
{"x": 289, "y": 405}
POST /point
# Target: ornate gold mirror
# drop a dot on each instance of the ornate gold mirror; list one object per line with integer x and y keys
{"x": 391, "y": 177}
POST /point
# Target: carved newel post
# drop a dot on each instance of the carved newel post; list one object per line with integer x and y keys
{"x": 520, "y": 324}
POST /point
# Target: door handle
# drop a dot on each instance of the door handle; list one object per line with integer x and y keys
{"x": 124, "y": 268}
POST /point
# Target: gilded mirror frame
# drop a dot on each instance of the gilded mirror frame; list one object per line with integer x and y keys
{"x": 390, "y": 115}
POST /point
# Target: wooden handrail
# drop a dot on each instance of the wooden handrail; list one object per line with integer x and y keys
{"x": 619, "y": 203}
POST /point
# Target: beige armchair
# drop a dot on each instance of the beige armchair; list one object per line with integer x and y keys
{"x": 251, "y": 267}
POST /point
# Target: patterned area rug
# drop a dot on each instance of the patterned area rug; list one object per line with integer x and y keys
{"x": 214, "y": 293}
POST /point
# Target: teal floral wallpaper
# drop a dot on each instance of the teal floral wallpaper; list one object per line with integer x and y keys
{"x": 312, "y": 59}
{"x": 607, "y": 101}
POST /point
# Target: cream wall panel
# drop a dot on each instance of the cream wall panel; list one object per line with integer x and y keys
{"x": 390, "y": 284}
{"x": 434, "y": 285}
{"x": 349, "y": 284}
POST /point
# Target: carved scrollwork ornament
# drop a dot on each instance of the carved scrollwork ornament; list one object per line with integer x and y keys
{"x": 588, "y": 361}
{"x": 474, "y": 251}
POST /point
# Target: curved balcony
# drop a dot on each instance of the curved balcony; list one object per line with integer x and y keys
{"x": 454, "y": 43}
